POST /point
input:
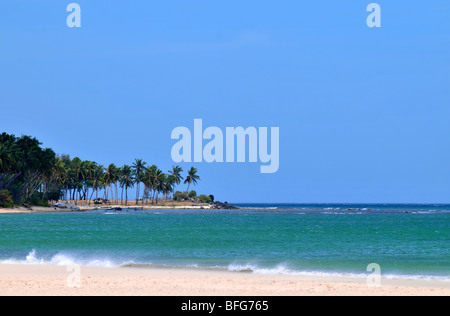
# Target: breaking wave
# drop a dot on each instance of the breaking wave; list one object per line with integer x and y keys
{"x": 67, "y": 259}
{"x": 62, "y": 259}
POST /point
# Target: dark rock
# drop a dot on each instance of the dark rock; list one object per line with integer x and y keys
{"x": 223, "y": 206}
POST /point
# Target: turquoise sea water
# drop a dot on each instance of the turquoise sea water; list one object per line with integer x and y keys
{"x": 405, "y": 240}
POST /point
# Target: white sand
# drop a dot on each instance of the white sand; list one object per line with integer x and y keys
{"x": 57, "y": 280}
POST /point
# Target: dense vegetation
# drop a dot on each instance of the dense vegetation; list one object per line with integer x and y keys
{"x": 33, "y": 175}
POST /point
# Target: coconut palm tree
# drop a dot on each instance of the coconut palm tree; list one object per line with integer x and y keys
{"x": 9, "y": 162}
{"x": 149, "y": 181}
{"x": 8, "y": 151}
{"x": 89, "y": 167}
{"x": 158, "y": 184}
{"x": 32, "y": 169}
{"x": 176, "y": 176}
{"x": 169, "y": 185}
{"x": 192, "y": 177}
{"x": 110, "y": 178}
{"x": 75, "y": 172}
{"x": 98, "y": 179}
{"x": 138, "y": 173}
{"x": 59, "y": 174}
{"x": 126, "y": 180}
{"x": 116, "y": 177}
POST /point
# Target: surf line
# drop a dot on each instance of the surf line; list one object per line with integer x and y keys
{"x": 235, "y": 145}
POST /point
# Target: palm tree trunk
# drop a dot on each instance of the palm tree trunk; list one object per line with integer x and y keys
{"x": 117, "y": 193}
{"x": 44, "y": 189}
{"x": 91, "y": 197}
{"x": 187, "y": 191}
{"x": 137, "y": 193}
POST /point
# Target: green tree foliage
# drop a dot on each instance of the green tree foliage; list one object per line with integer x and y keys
{"x": 204, "y": 198}
{"x": 32, "y": 174}
{"x": 25, "y": 167}
{"x": 180, "y": 196}
{"x": 192, "y": 194}
{"x": 6, "y": 199}
{"x": 138, "y": 173}
{"x": 192, "y": 177}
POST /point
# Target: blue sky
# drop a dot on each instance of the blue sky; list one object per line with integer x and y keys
{"x": 363, "y": 113}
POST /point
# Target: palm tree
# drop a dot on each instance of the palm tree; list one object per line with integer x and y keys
{"x": 176, "y": 176}
{"x": 138, "y": 173}
{"x": 58, "y": 174}
{"x": 8, "y": 150}
{"x": 9, "y": 161}
{"x": 76, "y": 177}
{"x": 116, "y": 180}
{"x": 89, "y": 167}
{"x": 192, "y": 177}
{"x": 98, "y": 180}
{"x": 158, "y": 184}
{"x": 149, "y": 181}
{"x": 169, "y": 185}
{"x": 126, "y": 180}
{"x": 30, "y": 170}
{"x": 109, "y": 178}
{"x": 80, "y": 176}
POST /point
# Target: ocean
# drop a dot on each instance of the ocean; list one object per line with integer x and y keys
{"x": 406, "y": 241}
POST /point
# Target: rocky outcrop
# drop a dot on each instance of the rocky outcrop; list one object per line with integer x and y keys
{"x": 223, "y": 206}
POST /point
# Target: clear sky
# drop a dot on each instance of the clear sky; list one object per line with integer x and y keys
{"x": 363, "y": 112}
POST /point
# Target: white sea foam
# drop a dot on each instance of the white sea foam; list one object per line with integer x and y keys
{"x": 283, "y": 269}
{"x": 68, "y": 259}
{"x": 63, "y": 259}
{"x": 32, "y": 259}
{"x": 254, "y": 268}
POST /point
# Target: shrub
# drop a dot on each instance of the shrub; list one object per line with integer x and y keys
{"x": 6, "y": 199}
{"x": 180, "y": 196}
{"x": 192, "y": 194}
{"x": 204, "y": 199}
{"x": 36, "y": 200}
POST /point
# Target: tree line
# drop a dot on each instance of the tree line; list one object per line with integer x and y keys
{"x": 32, "y": 174}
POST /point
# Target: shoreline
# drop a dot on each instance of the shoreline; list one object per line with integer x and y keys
{"x": 48, "y": 280}
{"x": 40, "y": 209}
{"x": 164, "y": 205}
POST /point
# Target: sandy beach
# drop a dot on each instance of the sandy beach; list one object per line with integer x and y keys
{"x": 50, "y": 280}
{"x": 24, "y": 210}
